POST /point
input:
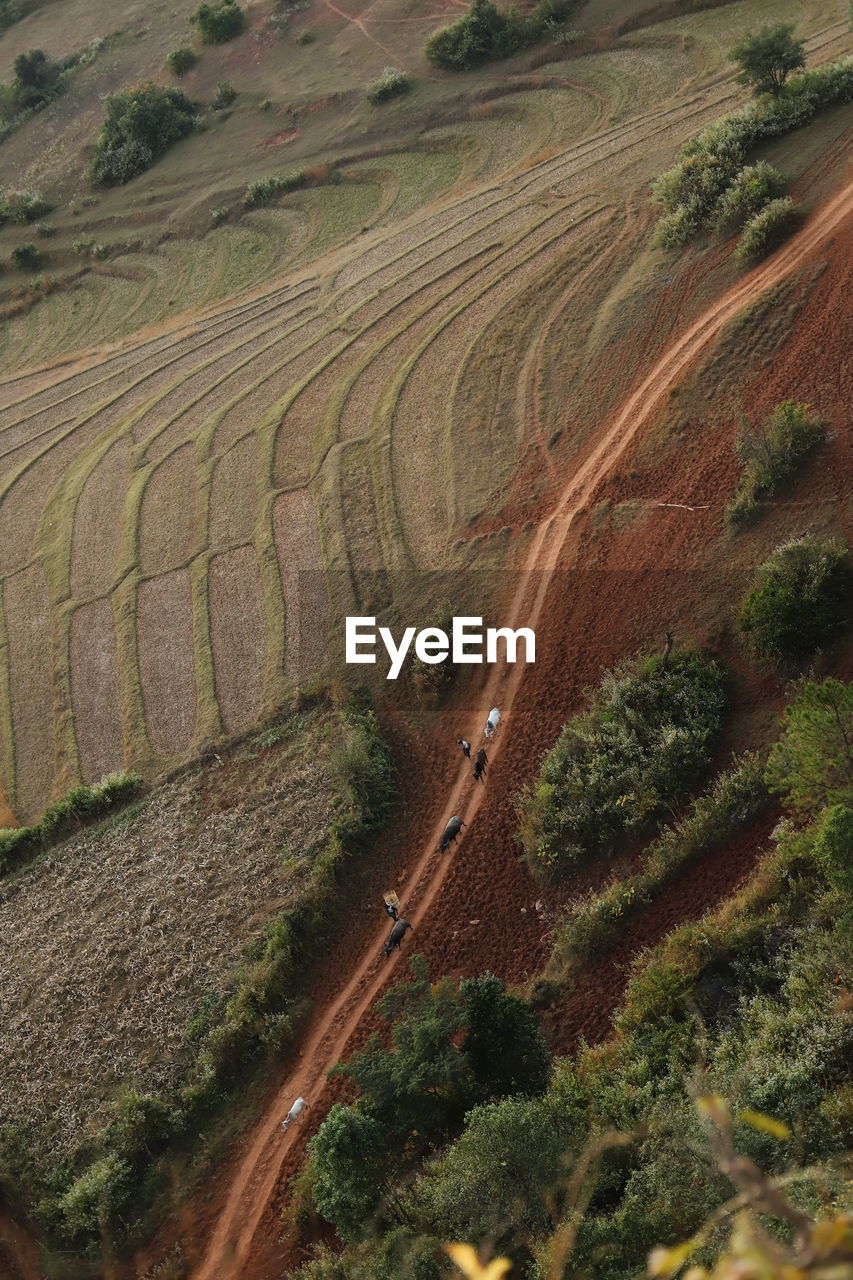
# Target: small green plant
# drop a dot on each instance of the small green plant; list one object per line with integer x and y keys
{"x": 770, "y": 453}
{"x": 83, "y": 247}
{"x": 219, "y": 22}
{"x": 27, "y": 257}
{"x": 800, "y": 602}
{"x": 305, "y": 35}
{"x": 218, "y": 215}
{"x": 263, "y": 190}
{"x": 45, "y": 230}
{"x": 224, "y": 96}
{"x": 391, "y": 84}
{"x": 766, "y": 230}
{"x": 264, "y": 104}
{"x": 100, "y": 251}
{"x": 179, "y": 61}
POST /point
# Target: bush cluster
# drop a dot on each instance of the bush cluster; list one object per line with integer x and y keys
{"x": 219, "y": 22}
{"x": 391, "y": 84}
{"x": 61, "y": 818}
{"x": 26, "y": 256}
{"x": 767, "y": 229}
{"x": 695, "y": 192}
{"x": 224, "y": 96}
{"x": 21, "y": 207}
{"x": 263, "y": 190}
{"x": 140, "y": 125}
{"x": 646, "y": 736}
{"x": 801, "y": 600}
{"x": 771, "y": 453}
{"x": 485, "y": 33}
{"x": 593, "y": 922}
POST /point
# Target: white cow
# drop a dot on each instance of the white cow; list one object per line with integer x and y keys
{"x": 294, "y": 1113}
{"x": 492, "y": 723}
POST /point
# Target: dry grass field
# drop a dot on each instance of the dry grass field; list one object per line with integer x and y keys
{"x": 170, "y": 501}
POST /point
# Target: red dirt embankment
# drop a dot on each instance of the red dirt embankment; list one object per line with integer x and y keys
{"x": 484, "y": 881}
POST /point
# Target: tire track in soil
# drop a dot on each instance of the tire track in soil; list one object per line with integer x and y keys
{"x": 262, "y": 1163}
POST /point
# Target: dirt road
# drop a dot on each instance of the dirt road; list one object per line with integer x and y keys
{"x": 257, "y": 1174}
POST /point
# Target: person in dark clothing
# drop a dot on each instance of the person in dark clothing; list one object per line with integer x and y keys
{"x": 391, "y": 909}
{"x": 466, "y": 748}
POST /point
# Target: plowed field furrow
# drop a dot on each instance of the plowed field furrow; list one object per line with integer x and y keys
{"x": 267, "y": 383}
{"x": 233, "y": 495}
{"x": 306, "y": 600}
{"x": 226, "y": 409}
{"x": 238, "y": 636}
{"x": 95, "y": 692}
{"x": 168, "y": 514}
{"x": 97, "y": 531}
{"x": 164, "y": 630}
{"x": 142, "y": 357}
{"x": 28, "y": 629}
{"x": 418, "y": 423}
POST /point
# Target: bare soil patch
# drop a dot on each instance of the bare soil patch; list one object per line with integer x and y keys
{"x": 306, "y": 599}
{"x": 27, "y": 609}
{"x": 99, "y": 523}
{"x": 238, "y": 635}
{"x": 164, "y": 629}
{"x": 168, "y": 516}
{"x": 95, "y": 691}
{"x": 233, "y": 495}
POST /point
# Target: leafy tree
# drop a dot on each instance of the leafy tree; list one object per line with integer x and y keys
{"x": 504, "y": 1044}
{"x": 812, "y": 763}
{"x": 181, "y": 60}
{"x": 832, "y": 849}
{"x": 768, "y": 58}
{"x": 349, "y": 1167}
{"x": 219, "y": 22}
{"x": 800, "y": 602}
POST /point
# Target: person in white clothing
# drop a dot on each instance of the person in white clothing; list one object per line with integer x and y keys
{"x": 294, "y": 1113}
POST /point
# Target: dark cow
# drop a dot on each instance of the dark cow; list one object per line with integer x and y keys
{"x": 451, "y": 831}
{"x": 396, "y": 936}
{"x": 480, "y": 762}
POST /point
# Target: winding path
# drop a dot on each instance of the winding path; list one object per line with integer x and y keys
{"x": 258, "y": 1172}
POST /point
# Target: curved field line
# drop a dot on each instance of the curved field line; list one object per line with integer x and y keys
{"x": 259, "y": 1168}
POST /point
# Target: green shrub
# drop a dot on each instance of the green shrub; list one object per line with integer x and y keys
{"x": 94, "y": 1200}
{"x": 83, "y": 247}
{"x": 27, "y": 257}
{"x": 263, "y": 190}
{"x": 224, "y": 96}
{"x": 754, "y": 187}
{"x": 36, "y": 80}
{"x": 800, "y": 602}
{"x": 769, "y": 228}
{"x": 305, "y": 35}
{"x": 219, "y": 22}
{"x": 81, "y": 803}
{"x": 647, "y": 734}
{"x": 391, "y": 84}
{"x": 181, "y": 60}
{"x": 812, "y": 763}
{"x": 45, "y": 230}
{"x": 218, "y": 215}
{"x": 771, "y": 453}
{"x": 11, "y": 11}
{"x": 140, "y": 125}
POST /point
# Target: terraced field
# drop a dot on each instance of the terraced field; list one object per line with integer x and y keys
{"x": 181, "y": 514}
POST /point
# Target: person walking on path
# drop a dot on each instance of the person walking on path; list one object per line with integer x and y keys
{"x": 466, "y": 748}
{"x": 392, "y": 905}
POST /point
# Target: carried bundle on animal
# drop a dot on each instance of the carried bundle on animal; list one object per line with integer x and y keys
{"x": 451, "y": 831}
